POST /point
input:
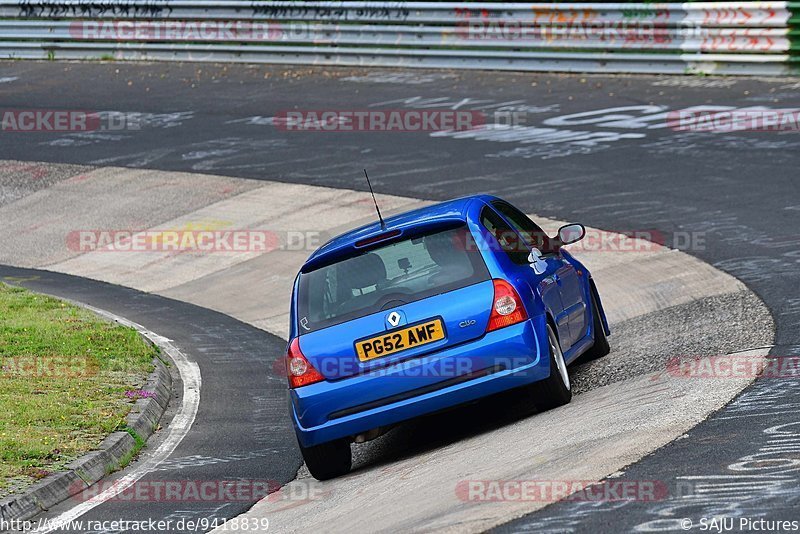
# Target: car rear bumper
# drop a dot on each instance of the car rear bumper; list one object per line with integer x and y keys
{"x": 500, "y": 360}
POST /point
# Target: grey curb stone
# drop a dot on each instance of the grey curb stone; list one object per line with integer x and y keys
{"x": 18, "y": 507}
{"x": 146, "y": 413}
{"x": 93, "y": 466}
{"x": 48, "y": 493}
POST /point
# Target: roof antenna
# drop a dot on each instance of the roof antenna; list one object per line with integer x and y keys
{"x": 383, "y": 224}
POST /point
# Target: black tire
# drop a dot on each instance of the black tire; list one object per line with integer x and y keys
{"x": 600, "y": 347}
{"x": 553, "y": 392}
{"x": 328, "y": 460}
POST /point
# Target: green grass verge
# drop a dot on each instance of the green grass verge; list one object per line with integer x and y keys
{"x": 64, "y": 374}
{"x": 139, "y": 444}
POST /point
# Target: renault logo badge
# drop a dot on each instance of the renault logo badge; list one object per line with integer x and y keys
{"x": 394, "y": 318}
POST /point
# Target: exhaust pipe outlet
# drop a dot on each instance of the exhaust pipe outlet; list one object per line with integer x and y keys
{"x": 370, "y": 435}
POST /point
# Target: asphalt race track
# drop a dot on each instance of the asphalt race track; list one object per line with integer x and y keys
{"x": 587, "y": 148}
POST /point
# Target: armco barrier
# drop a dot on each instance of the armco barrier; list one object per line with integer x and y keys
{"x": 702, "y": 37}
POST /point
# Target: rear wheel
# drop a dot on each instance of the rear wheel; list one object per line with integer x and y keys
{"x": 328, "y": 460}
{"x": 555, "y": 390}
{"x": 601, "y": 347}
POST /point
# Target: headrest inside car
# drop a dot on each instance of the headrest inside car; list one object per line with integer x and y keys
{"x": 362, "y": 271}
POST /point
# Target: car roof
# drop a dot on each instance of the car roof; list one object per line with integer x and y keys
{"x": 344, "y": 245}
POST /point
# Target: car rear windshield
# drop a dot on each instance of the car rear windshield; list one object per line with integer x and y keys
{"x": 389, "y": 276}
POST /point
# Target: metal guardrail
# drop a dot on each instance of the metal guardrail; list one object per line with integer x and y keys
{"x": 709, "y": 37}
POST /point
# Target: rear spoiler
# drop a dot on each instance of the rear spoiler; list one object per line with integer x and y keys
{"x": 380, "y": 239}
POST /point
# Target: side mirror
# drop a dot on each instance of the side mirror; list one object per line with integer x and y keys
{"x": 571, "y": 233}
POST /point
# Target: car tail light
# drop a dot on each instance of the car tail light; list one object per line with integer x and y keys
{"x": 298, "y": 368}
{"x": 507, "y": 308}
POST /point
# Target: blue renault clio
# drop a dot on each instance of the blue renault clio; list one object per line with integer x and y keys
{"x": 430, "y": 309}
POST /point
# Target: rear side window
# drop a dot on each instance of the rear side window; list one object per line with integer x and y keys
{"x": 508, "y": 238}
{"x": 389, "y": 276}
{"x": 530, "y": 232}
